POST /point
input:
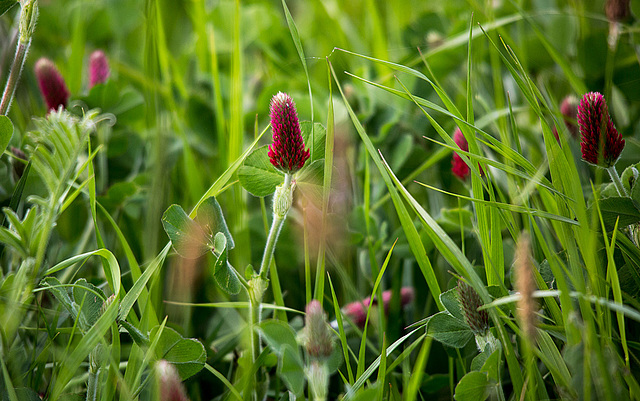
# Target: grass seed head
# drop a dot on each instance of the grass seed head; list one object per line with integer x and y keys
{"x": 525, "y": 285}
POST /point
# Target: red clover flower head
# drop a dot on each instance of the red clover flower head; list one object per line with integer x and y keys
{"x": 52, "y": 85}
{"x": 287, "y": 151}
{"x": 601, "y": 142}
{"x": 98, "y": 68}
{"x": 458, "y": 167}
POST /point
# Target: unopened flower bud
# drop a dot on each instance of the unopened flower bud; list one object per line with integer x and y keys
{"x": 317, "y": 341}
{"x": 28, "y": 18}
{"x": 282, "y": 200}
{"x": 98, "y": 68}
{"x": 52, "y": 85}
{"x": 470, "y": 301}
{"x": 106, "y": 303}
{"x": 287, "y": 152}
{"x": 601, "y": 143}
{"x": 170, "y": 385}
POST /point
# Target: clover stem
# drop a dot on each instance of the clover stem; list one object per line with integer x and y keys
{"x": 616, "y": 181}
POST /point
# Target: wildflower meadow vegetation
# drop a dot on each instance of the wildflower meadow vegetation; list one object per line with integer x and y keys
{"x": 319, "y": 200}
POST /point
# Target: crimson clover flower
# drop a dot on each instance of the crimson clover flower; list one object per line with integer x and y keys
{"x": 357, "y": 311}
{"x": 52, "y": 85}
{"x": 98, "y": 68}
{"x": 601, "y": 143}
{"x": 458, "y": 167}
{"x": 287, "y": 152}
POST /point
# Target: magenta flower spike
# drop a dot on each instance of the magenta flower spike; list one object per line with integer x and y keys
{"x": 54, "y": 89}
{"x": 458, "y": 167}
{"x": 98, "y": 68}
{"x": 601, "y": 143}
{"x": 287, "y": 152}
{"x": 569, "y": 110}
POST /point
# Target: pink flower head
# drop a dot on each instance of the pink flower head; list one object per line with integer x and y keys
{"x": 52, "y": 85}
{"x": 98, "y": 68}
{"x": 569, "y": 110}
{"x": 601, "y": 143}
{"x": 318, "y": 341}
{"x": 287, "y": 151}
{"x": 357, "y": 311}
{"x": 458, "y": 167}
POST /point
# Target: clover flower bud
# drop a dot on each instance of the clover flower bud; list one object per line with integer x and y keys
{"x": 98, "y": 68}
{"x": 52, "y": 85}
{"x": 170, "y": 385}
{"x": 601, "y": 143}
{"x": 287, "y": 152}
{"x": 569, "y": 110}
{"x": 470, "y": 301}
{"x": 28, "y": 19}
{"x": 317, "y": 336}
{"x": 458, "y": 167}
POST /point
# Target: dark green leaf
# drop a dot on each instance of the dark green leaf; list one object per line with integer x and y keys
{"x": 211, "y": 220}
{"x": 618, "y": 207}
{"x": 449, "y": 330}
{"x": 61, "y": 294}
{"x": 451, "y": 302}
{"x": 88, "y": 299}
{"x": 186, "y": 236}
{"x": 186, "y": 354}
{"x": 6, "y": 127}
{"x": 277, "y": 334}
{"x": 223, "y": 273}
{"x": 473, "y": 386}
{"x": 257, "y": 175}
{"x": 290, "y": 369}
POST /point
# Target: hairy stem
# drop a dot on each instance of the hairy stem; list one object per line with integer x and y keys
{"x": 616, "y": 181}
{"x": 16, "y": 70}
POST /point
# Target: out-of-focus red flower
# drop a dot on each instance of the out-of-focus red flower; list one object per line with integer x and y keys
{"x": 287, "y": 152}
{"x": 171, "y": 388}
{"x": 569, "y": 110}
{"x": 357, "y": 311}
{"x": 52, "y": 86}
{"x": 458, "y": 167}
{"x": 98, "y": 68}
